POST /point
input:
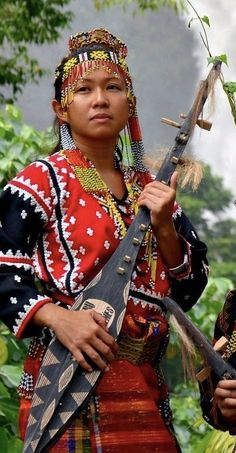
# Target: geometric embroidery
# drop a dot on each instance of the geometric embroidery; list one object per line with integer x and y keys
{"x": 231, "y": 346}
{"x": 47, "y": 414}
{"x": 65, "y": 378}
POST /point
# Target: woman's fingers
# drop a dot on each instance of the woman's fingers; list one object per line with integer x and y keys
{"x": 95, "y": 357}
{"x": 159, "y": 194}
{"x": 156, "y": 189}
{"x": 108, "y": 341}
{"x": 98, "y": 353}
{"x": 225, "y": 396}
{"x": 173, "y": 180}
{"x": 85, "y": 334}
{"x": 226, "y": 389}
{"x": 80, "y": 358}
{"x": 225, "y": 393}
{"x": 99, "y": 319}
{"x": 227, "y": 384}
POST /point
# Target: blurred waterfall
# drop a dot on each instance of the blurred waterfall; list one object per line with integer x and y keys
{"x": 167, "y": 60}
{"x": 218, "y": 147}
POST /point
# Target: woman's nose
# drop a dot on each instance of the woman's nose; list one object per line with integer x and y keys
{"x": 100, "y": 97}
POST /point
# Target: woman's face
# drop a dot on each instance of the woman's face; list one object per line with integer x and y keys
{"x": 100, "y": 109}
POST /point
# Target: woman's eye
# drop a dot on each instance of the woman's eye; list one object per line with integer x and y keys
{"x": 114, "y": 87}
{"x": 82, "y": 89}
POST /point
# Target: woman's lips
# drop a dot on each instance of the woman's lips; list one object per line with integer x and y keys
{"x": 101, "y": 117}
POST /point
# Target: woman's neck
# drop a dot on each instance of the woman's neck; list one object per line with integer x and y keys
{"x": 101, "y": 154}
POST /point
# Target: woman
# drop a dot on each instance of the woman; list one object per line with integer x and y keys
{"x": 62, "y": 218}
{"x": 218, "y": 398}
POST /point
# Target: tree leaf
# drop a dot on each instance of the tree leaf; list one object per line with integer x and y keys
{"x": 11, "y": 374}
{"x": 206, "y": 20}
{"x": 3, "y": 351}
{"x": 9, "y": 408}
{"x": 222, "y": 58}
{"x": 3, "y": 391}
{"x": 3, "y": 440}
{"x": 15, "y": 445}
{"x": 13, "y": 112}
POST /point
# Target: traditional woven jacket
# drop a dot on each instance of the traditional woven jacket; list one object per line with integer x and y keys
{"x": 225, "y": 326}
{"x": 55, "y": 233}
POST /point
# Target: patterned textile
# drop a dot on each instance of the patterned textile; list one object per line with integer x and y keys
{"x": 225, "y": 326}
{"x": 55, "y": 236}
{"x": 130, "y": 411}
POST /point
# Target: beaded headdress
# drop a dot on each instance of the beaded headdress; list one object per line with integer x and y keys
{"x": 100, "y": 49}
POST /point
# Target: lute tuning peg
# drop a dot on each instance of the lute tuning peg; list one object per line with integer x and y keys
{"x": 203, "y": 124}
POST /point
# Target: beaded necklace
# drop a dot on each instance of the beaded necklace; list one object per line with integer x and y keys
{"x": 92, "y": 183}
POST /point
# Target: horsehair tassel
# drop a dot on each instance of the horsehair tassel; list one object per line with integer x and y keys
{"x": 62, "y": 387}
{"x": 205, "y": 90}
{"x": 172, "y": 158}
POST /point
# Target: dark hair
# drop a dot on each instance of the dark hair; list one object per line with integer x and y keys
{"x": 57, "y": 96}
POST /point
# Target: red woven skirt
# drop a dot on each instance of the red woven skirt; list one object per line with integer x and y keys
{"x": 129, "y": 412}
{"x": 123, "y": 417}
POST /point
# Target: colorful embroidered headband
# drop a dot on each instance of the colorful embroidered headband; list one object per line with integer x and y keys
{"x": 98, "y": 36}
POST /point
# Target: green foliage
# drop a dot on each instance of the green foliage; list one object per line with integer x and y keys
{"x": 188, "y": 422}
{"x": 230, "y": 91}
{"x": 20, "y": 144}
{"x": 211, "y": 197}
{"x": 24, "y": 23}
{"x": 192, "y": 431}
{"x": 11, "y": 355}
{"x": 230, "y": 87}
{"x": 205, "y": 312}
{"x": 206, "y": 20}
{"x": 143, "y": 5}
{"x": 221, "y": 243}
{"x": 205, "y": 208}
{"x": 216, "y": 442}
{"x": 222, "y": 58}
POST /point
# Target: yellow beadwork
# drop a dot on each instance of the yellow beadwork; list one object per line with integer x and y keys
{"x": 99, "y": 55}
{"x": 68, "y": 66}
{"x": 90, "y": 179}
{"x": 123, "y": 64}
{"x": 231, "y": 346}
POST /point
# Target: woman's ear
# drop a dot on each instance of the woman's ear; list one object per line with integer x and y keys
{"x": 59, "y": 111}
